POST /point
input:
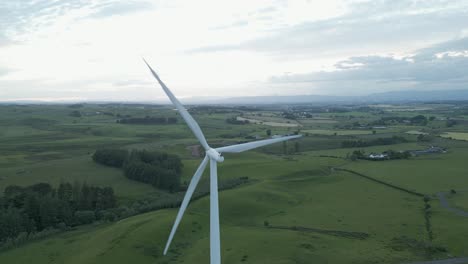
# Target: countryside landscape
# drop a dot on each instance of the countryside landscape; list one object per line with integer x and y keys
{"x": 233, "y": 132}
{"x": 366, "y": 183}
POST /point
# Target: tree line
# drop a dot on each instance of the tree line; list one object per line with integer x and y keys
{"x": 39, "y": 207}
{"x": 148, "y": 120}
{"x": 375, "y": 142}
{"x": 235, "y": 121}
{"x": 415, "y": 120}
{"x": 162, "y": 170}
{"x": 151, "y": 203}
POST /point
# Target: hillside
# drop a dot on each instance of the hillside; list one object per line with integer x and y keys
{"x": 305, "y": 201}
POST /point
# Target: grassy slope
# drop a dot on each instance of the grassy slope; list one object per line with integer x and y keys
{"x": 298, "y": 192}
{"x": 431, "y": 174}
{"x": 450, "y": 230}
{"x": 338, "y": 132}
{"x": 81, "y": 169}
{"x": 460, "y": 199}
{"x": 427, "y": 174}
{"x": 455, "y": 135}
{"x": 285, "y": 193}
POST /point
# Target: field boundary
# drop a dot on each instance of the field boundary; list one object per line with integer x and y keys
{"x": 381, "y": 182}
{"x": 443, "y": 261}
{"x": 427, "y": 207}
{"x": 338, "y": 233}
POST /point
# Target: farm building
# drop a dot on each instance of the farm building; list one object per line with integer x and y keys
{"x": 431, "y": 150}
{"x": 378, "y": 156}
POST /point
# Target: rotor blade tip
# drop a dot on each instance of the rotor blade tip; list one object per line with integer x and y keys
{"x": 146, "y": 62}
{"x": 151, "y": 69}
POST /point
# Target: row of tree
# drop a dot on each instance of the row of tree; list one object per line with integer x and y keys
{"x": 375, "y": 142}
{"x": 415, "y": 120}
{"x": 162, "y": 170}
{"x": 111, "y": 157}
{"x": 40, "y": 206}
{"x": 148, "y": 120}
{"x": 235, "y": 121}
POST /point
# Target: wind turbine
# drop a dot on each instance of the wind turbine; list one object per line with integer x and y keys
{"x": 214, "y": 156}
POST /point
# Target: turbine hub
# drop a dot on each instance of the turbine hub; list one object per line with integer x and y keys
{"x": 215, "y": 155}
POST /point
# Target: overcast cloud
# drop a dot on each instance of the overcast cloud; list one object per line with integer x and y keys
{"x": 91, "y": 50}
{"x": 441, "y": 66}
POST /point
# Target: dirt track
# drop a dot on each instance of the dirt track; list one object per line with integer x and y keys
{"x": 444, "y": 261}
{"x": 446, "y": 205}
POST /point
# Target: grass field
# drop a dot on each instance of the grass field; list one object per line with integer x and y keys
{"x": 337, "y": 132}
{"x": 297, "y": 207}
{"x": 460, "y": 199}
{"x": 456, "y": 135}
{"x": 79, "y": 169}
{"x": 243, "y": 212}
{"x": 284, "y": 123}
{"x": 423, "y": 174}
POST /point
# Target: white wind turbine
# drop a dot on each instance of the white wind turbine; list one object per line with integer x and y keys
{"x": 214, "y": 155}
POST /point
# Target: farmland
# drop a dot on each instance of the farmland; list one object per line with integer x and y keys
{"x": 456, "y": 135}
{"x": 305, "y": 201}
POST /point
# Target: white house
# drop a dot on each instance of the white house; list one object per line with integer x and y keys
{"x": 377, "y": 156}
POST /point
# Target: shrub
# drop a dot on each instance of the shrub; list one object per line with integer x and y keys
{"x": 109, "y": 216}
{"x": 110, "y": 157}
{"x": 426, "y": 198}
{"x": 159, "y": 169}
{"x": 85, "y": 217}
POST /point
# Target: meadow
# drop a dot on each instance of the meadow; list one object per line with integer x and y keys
{"x": 305, "y": 201}
{"x": 456, "y": 135}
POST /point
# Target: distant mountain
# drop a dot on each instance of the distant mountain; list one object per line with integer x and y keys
{"x": 385, "y": 97}
{"x": 269, "y": 99}
{"x": 395, "y": 96}
{"x": 449, "y": 95}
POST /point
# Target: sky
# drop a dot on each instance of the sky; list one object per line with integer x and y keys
{"x": 89, "y": 50}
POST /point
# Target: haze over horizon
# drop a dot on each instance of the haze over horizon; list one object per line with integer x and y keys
{"x": 91, "y": 50}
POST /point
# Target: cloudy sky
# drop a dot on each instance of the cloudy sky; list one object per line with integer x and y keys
{"x": 92, "y": 50}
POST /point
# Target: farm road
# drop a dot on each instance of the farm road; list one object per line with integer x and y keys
{"x": 446, "y": 205}
{"x": 444, "y": 261}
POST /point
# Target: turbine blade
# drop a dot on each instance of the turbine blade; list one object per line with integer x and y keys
{"x": 183, "y": 112}
{"x": 191, "y": 188}
{"x": 215, "y": 243}
{"x": 256, "y": 144}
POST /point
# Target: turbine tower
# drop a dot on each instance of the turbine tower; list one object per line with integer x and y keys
{"x": 214, "y": 156}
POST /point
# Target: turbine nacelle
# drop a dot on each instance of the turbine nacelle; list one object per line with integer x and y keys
{"x": 214, "y": 155}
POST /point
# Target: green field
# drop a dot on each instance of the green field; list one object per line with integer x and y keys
{"x": 459, "y": 199}
{"x": 298, "y": 206}
{"x": 243, "y": 212}
{"x": 336, "y": 132}
{"x": 424, "y": 174}
{"x": 456, "y": 135}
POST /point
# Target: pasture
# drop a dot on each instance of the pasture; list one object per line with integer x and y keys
{"x": 455, "y": 135}
{"x": 298, "y": 206}
{"x": 459, "y": 199}
{"x": 336, "y": 132}
{"x": 366, "y": 227}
